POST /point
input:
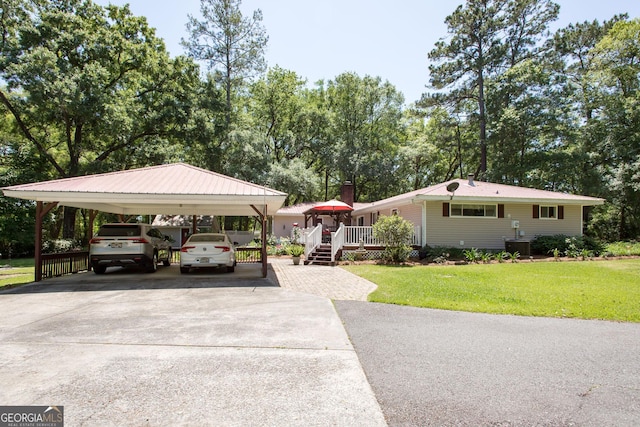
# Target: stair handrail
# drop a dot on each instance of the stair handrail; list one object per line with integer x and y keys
{"x": 312, "y": 240}
{"x": 337, "y": 241}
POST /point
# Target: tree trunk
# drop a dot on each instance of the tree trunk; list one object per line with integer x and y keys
{"x": 69, "y": 224}
{"x": 326, "y": 183}
{"x": 483, "y": 128}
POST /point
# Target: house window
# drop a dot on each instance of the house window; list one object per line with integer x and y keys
{"x": 548, "y": 212}
{"x": 360, "y": 221}
{"x": 473, "y": 210}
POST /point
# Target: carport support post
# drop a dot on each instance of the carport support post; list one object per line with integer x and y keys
{"x": 264, "y": 242}
{"x": 92, "y": 218}
{"x": 41, "y": 211}
{"x": 263, "y": 251}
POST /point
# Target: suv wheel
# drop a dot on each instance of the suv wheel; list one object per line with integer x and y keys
{"x": 153, "y": 267}
{"x": 99, "y": 269}
{"x": 167, "y": 262}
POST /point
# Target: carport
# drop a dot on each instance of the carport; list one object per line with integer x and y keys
{"x": 172, "y": 189}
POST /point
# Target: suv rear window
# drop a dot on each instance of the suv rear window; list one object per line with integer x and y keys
{"x": 119, "y": 230}
{"x": 207, "y": 238}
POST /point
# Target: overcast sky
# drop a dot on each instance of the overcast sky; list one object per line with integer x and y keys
{"x": 320, "y": 39}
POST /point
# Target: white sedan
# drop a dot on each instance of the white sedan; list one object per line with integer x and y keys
{"x": 207, "y": 250}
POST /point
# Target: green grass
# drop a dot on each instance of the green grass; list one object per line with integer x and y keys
{"x": 623, "y": 248}
{"x": 21, "y": 271}
{"x": 608, "y": 290}
{"x": 18, "y": 262}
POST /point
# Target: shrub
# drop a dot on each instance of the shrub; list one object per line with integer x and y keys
{"x": 442, "y": 259}
{"x": 568, "y": 245}
{"x": 502, "y": 256}
{"x": 277, "y": 245}
{"x": 445, "y": 252}
{"x": 544, "y": 245}
{"x": 424, "y": 252}
{"x": 396, "y": 254}
{"x": 395, "y": 233}
{"x": 61, "y": 246}
{"x": 593, "y": 244}
{"x": 472, "y": 255}
{"x": 486, "y": 257}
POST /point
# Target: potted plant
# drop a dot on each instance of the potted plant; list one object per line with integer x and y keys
{"x": 296, "y": 251}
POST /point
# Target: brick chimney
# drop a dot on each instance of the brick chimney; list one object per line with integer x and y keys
{"x": 346, "y": 193}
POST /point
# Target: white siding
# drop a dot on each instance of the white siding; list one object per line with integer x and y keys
{"x": 410, "y": 212}
{"x": 571, "y": 225}
{"x": 490, "y": 233}
{"x": 282, "y": 225}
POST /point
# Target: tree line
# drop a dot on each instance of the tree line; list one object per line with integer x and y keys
{"x": 87, "y": 89}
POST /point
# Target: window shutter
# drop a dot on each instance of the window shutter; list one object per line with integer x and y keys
{"x": 445, "y": 209}
{"x": 560, "y": 212}
{"x": 536, "y": 211}
{"x": 500, "y": 211}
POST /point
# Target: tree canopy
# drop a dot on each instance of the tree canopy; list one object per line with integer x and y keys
{"x": 86, "y": 88}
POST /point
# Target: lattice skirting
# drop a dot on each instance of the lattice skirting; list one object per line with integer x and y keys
{"x": 349, "y": 255}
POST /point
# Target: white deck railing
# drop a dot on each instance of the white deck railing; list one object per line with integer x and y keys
{"x": 353, "y": 235}
{"x": 348, "y": 235}
{"x": 337, "y": 241}
{"x": 312, "y": 239}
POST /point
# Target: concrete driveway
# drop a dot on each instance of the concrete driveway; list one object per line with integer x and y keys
{"x": 132, "y": 349}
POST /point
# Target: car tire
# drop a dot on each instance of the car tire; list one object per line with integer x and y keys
{"x": 153, "y": 267}
{"x": 167, "y": 262}
{"x": 184, "y": 270}
{"x": 231, "y": 269}
{"x": 99, "y": 269}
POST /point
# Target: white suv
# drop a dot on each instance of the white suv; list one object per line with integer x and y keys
{"x": 128, "y": 245}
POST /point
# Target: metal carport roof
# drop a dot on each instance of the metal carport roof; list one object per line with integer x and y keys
{"x": 172, "y": 189}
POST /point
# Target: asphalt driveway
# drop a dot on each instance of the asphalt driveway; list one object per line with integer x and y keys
{"x": 444, "y": 368}
{"x": 129, "y": 349}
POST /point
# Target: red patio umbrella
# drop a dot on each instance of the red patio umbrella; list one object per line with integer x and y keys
{"x": 331, "y": 206}
{"x": 334, "y": 208}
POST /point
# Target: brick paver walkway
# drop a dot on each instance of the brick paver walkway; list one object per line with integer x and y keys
{"x": 330, "y": 282}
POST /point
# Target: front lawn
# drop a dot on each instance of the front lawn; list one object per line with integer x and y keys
{"x": 589, "y": 290}
{"x": 16, "y": 271}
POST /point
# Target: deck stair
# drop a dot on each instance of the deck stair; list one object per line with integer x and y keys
{"x": 322, "y": 256}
